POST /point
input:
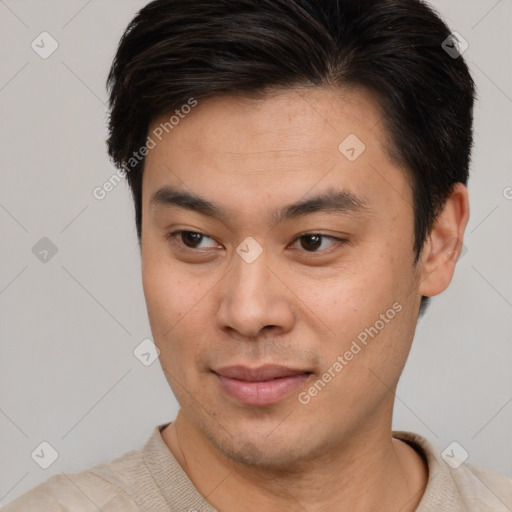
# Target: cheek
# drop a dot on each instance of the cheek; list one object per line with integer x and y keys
{"x": 166, "y": 304}
{"x": 160, "y": 293}
{"x": 352, "y": 305}
{"x": 345, "y": 299}
{"x": 175, "y": 312}
{"x": 167, "y": 292}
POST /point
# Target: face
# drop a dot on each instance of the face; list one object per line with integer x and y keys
{"x": 296, "y": 251}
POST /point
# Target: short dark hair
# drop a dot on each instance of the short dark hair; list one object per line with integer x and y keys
{"x": 175, "y": 50}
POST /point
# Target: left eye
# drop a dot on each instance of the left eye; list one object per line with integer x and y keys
{"x": 313, "y": 241}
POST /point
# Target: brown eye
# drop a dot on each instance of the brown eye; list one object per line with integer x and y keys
{"x": 191, "y": 238}
{"x": 312, "y": 242}
{"x": 188, "y": 239}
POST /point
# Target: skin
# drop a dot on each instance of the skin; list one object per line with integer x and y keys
{"x": 292, "y": 306}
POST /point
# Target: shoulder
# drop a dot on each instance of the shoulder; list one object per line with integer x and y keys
{"x": 455, "y": 485}
{"x": 483, "y": 489}
{"x": 101, "y": 487}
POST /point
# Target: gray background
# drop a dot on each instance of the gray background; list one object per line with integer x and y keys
{"x": 69, "y": 325}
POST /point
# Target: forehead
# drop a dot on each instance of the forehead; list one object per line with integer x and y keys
{"x": 277, "y": 148}
{"x": 312, "y": 117}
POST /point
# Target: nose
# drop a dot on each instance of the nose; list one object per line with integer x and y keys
{"x": 253, "y": 298}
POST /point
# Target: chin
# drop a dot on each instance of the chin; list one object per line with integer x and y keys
{"x": 260, "y": 450}
{"x": 267, "y": 457}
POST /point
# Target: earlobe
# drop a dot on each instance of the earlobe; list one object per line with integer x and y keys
{"x": 444, "y": 244}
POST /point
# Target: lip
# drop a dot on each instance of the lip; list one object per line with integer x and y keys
{"x": 264, "y": 385}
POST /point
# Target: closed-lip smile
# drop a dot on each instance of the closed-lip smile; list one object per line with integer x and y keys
{"x": 263, "y": 385}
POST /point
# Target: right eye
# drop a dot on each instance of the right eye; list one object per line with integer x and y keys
{"x": 188, "y": 239}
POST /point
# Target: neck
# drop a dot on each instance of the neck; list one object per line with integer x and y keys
{"x": 370, "y": 471}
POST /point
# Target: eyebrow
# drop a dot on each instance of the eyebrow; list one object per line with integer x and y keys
{"x": 330, "y": 201}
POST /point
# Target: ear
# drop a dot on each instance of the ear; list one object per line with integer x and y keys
{"x": 444, "y": 244}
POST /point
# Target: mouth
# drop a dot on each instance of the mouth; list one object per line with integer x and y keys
{"x": 265, "y": 385}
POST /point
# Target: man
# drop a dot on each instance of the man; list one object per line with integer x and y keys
{"x": 298, "y": 169}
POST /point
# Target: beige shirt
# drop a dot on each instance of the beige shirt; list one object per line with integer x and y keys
{"x": 151, "y": 479}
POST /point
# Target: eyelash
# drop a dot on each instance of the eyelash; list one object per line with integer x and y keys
{"x": 338, "y": 241}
